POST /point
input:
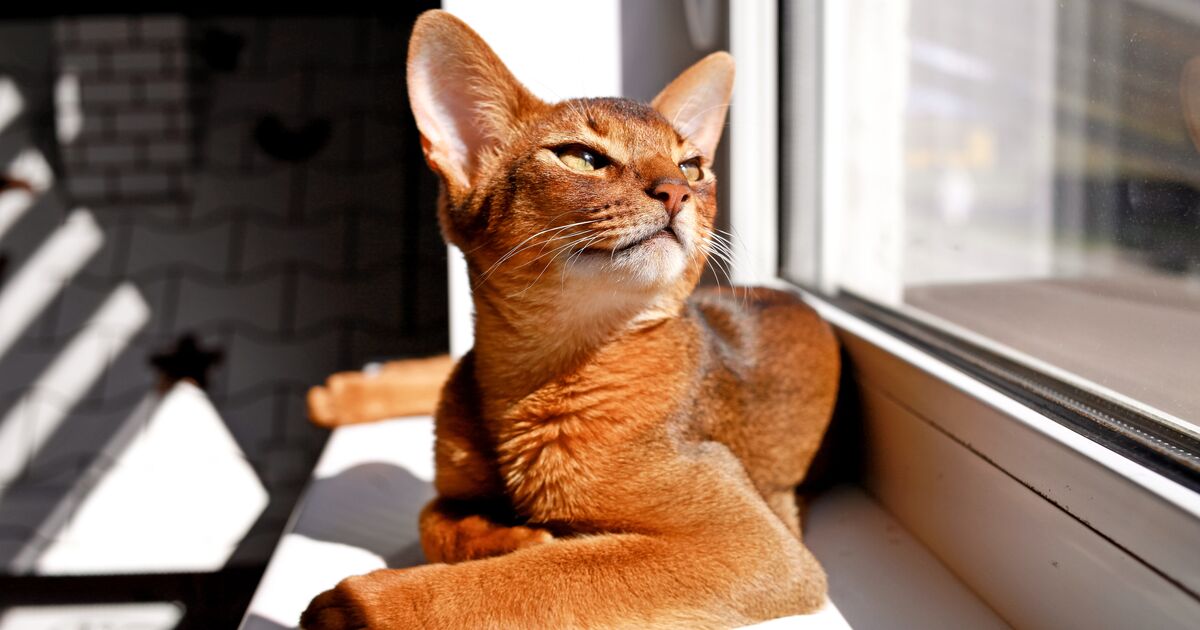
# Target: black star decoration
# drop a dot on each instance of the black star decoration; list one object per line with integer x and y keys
{"x": 187, "y": 361}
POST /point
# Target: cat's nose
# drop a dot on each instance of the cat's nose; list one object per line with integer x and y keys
{"x": 672, "y": 192}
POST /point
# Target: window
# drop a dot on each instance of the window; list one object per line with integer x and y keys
{"x": 1016, "y": 181}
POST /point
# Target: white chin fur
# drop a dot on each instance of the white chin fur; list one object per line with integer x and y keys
{"x": 655, "y": 262}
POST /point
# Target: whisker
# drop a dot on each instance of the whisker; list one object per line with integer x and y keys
{"x": 559, "y": 228}
{"x": 584, "y": 247}
{"x": 546, "y": 242}
{"x": 721, "y": 250}
{"x": 735, "y": 242}
{"x": 723, "y": 266}
{"x": 557, "y": 252}
{"x": 520, "y": 247}
{"x": 572, "y": 257}
{"x": 551, "y": 220}
{"x": 531, "y": 246}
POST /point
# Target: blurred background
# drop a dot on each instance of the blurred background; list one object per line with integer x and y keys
{"x": 201, "y": 218}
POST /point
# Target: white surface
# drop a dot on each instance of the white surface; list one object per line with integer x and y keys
{"x": 1111, "y": 491}
{"x": 149, "y": 616}
{"x": 831, "y": 140}
{"x": 880, "y": 576}
{"x": 864, "y": 82}
{"x": 1034, "y": 562}
{"x": 360, "y": 514}
{"x": 1043, "y": 523}
{"x": 753, "y": 141}
{"x": 800, "y": 192}
{"x": 462, "y": 311}
{"x": 189, "y": 485}
{"x": 1116, "y": 505}
{"x": 522, "y": 32}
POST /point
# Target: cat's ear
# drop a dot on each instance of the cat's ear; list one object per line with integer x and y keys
{"x": 463, "y": 97}
{"x": 697, "y": 100}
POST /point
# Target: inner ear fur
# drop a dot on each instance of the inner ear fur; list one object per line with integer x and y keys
{"x": 464, "y": 99}
{"x": 697, "y": 100}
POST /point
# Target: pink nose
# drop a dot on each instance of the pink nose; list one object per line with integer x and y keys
{"x": 672, "y": 192}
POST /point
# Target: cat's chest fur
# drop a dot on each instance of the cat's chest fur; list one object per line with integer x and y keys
{"x": 563, "y": 448}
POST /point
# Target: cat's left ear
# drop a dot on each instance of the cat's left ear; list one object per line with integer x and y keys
{"x": 464, "y": 99}
{"x": 697, "y": 100}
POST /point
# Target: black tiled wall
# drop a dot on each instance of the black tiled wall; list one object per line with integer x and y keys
{"x": 259, "y": 182}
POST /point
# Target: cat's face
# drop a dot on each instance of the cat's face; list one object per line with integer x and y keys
{"x": 594, "y": 192}
{"x": 585, "y": 194}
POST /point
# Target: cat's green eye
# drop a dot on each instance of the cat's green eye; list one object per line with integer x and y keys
{"x": 692, "y": 171}
{"x": 581, "y": 158}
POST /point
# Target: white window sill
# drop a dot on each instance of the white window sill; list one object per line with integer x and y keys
{"x": 1048, "y": 527}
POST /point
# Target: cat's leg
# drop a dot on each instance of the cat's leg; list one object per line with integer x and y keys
{"x": 712, "y": 556}
{"x": 602, "y": 581}
{"x": 453, "y": 531}
{"x": 471, "y": 518}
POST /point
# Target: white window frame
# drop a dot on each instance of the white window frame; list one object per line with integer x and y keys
{"x": 1048, "y": 527}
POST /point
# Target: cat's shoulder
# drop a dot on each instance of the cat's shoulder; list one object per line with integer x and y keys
{"x": 759, "y": 317}
{"x": 753, "y": 302}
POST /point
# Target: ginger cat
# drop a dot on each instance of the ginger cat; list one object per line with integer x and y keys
{"x": 619, "y": 450}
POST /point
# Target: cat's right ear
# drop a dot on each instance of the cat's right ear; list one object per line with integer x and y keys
{"x": 463, "y": 97}
{"x": 696, "y": 101}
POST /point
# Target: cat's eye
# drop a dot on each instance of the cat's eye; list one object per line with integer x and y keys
{"x": 691, "y": 170}
{"x": 581, "y": 158}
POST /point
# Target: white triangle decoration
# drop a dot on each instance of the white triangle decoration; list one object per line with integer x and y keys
{"x": 180, "y": 498}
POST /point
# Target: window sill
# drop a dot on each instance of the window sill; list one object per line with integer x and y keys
{"x": 1046, "y": 526}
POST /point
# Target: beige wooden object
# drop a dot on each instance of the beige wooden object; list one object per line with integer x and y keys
{"x": 399, "y": 388}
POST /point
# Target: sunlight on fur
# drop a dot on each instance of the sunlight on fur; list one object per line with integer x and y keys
{"x": 620, "y": 449}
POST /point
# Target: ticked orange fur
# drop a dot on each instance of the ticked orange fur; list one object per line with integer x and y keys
{"x": 619, "y": 450}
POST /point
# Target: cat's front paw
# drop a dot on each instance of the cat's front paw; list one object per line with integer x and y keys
{"x": 336, "y": 609}
{"x": 378, "y": 600}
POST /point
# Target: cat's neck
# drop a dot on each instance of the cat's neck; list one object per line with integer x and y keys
{"x": 523, "y": 342}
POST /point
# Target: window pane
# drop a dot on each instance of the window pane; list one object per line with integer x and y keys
{"x": 1028, "y": 171}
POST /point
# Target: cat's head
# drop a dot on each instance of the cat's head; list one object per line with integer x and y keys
{"x": 580, "y": 195}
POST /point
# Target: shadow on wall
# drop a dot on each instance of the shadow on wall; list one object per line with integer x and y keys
{"x": 254, "y": 182}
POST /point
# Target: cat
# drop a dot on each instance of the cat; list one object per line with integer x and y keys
{"x": 620, "y": 449}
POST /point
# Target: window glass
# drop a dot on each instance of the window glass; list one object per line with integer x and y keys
{"x": 1025, "y": 173}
